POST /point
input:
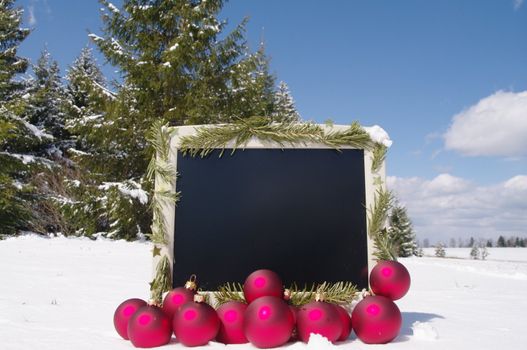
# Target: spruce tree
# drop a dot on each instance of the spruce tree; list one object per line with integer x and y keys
{"x": 46, "y": 103}
{"x": 484, "y": 252}
{"x": 401, "y": 231}
{"x": 18, "y": 138}
{"x": 284, "y": 105}
{"x": 179, "y": 66}
{"x": 474, "y": 252}
{"x": 501, "y": 242}
{"x": 440, "y": 250}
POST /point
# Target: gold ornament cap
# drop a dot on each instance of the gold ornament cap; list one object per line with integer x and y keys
{"x": 153, "y": 302}
{"x": 198, "y": 298}
{"x": 191, "y": 283}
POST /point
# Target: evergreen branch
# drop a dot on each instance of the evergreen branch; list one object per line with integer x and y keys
{"x": 229, "y": 292}
{"x": 242, "y": 131}
{"x": 385, "y": 246}
{"x": 336, "y": 293}
{"x": 162, "y": 281}
{"x": 378, "y": 214}
{"x": 379, "y": 155}
{"x": 303, "y": 296}
{"x": 355, "y": 136}
{"x": 167, "y": 196}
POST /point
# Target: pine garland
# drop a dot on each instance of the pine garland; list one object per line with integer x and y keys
{"x": 240, "y": 133}
{"x": 159, "y": 137}
{"x": 163, "y": 280}
{"x": 379, "y": 155}
{"x": 378, "y": 214}
{"x": 229, "y": 292}
{"x": 337, "y": 293}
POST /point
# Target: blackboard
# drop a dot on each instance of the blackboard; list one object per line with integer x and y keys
{"x": 300, "y": 212}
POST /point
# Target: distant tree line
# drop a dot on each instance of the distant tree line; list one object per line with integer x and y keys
{"x": 501, "y": 242}
{"x": 73, "y": 146}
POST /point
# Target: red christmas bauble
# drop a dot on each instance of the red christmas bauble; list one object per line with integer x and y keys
{"x": 294, "y": 311}
{"x": 345, "y": 320}
{"x": 231, "y": 316}
{"x": 376, "y": 320}
{"x": 268, "y": 322}
{"x": 123, "y": 313}
{"x": 320, "y": 318}
{"x": 175, "y": 298}
{"x": 195, "y": 324}
{"x": 262, "y": 283}
{"x": 390, "y": 279}
{"x": 149, "y": 327}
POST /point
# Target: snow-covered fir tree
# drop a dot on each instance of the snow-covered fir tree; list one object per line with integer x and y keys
{"x": 440, "y": 250}
{"x": 101, "y": 203}
{"x": 484, "y": 252}
{"x": 401, "y": 231}
{"x": 45, "y": 96}
{"x": 18, "y": 138}
{"x": 177, "y": 65}
{"x": 474, "y": 252}
{"x": 284, "y": 105}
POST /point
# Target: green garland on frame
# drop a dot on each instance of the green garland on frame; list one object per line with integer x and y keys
{"x": 239, "y": 134}
{"x": 160, "y": 168}
{"x": 337, "y": 293}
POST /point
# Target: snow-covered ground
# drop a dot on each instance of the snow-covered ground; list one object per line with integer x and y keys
{"x": 61, "y": 294}
{"x": 496, "y": 254}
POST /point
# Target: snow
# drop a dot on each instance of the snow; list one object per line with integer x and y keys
{"x": 173, "y": 47}
{"x": 126, "y": 189}
{"x": 60, "y": 293}
{"x": 25, "y": 158}
{"x": 34, "y": 130}
{"x": 113, "y": 8}
{"x": 78, "y": 152}
{"x": 95, "y": 37}
{"x": 379, "y": 135}
{"x": 424, "y": 331}
{"x": 167, "y": 64}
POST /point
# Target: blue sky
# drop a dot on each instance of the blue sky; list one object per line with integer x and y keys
{"x": 409, "y": 66}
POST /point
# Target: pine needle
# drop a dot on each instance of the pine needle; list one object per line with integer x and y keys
{"x": 378, "y": 215}
{"x": 379, "y": 155}
{"x": 229, "y": 292}
{"x": 162, "y": 281}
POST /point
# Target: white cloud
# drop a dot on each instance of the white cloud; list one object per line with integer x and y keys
{"x": 517, "y": 4}
{"x": 31, "y": 13}
{"x": 449, "y": 207}
{"x": 495, "y": 126}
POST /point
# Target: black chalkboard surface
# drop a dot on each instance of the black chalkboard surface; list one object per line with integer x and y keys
{"x": 299, "y": 212}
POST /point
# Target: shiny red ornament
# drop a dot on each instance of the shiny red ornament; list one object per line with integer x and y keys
{"x": 179, "y": 296}
{"x": 320, "y": 318}
{"x": 345, "y": 320}
{"x": 124, "y": 313}
{"x": 195, "y": 323}
{"x": 390, "y": 279}
{"x": 268, "y": 322}
{"x": 262, "y": 283}
{"x": 294, "y": 311}
{"x": 149, "y": 327}
{"x": 231, "y": 316}
{"x": 376, "y": 320}
{"x": 176, "y": 298}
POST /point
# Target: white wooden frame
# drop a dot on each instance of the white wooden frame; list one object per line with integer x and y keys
{"x": 169, "y": 209}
